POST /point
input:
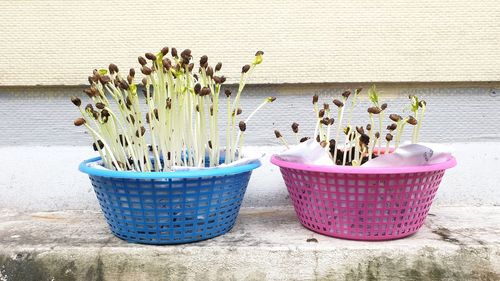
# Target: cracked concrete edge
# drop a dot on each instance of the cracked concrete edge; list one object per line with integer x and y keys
{"x": 428, "y": 263}
{"x": 265, "y": 245}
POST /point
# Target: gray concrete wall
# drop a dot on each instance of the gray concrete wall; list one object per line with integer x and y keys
{"x": 456, "y": 112}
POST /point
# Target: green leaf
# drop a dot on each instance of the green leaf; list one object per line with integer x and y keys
{"x": 373, "y": 95}
{"x": 103, "y": 71}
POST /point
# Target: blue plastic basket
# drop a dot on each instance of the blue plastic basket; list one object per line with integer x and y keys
{"x": 169, "y": 207}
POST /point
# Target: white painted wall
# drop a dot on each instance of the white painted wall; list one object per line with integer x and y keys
{"x": 58, "y": 42}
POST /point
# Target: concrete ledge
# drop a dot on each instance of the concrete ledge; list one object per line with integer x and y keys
{"x": 456, "y": 243}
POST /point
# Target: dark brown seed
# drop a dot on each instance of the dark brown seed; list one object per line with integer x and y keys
{"x": 186, "y": 55}
{"x": 374, "y": 110}
{"x": 113, "y": 68}
{"x": 150, "y": 56}
{"x": 360, "y": 130}
{"x": 100, "y": 143}
{"x": 323, "y": 143}
{"x": 167, "y": 63}
{"x": 227, "y": 92}
{"x": 124, "y": 85}
{"x": 203, "y": 61}
{"x": 368, "y": 127}
{"x": 205, "y": 91}
{"x": 245, "y": 68}
{"x": 383, "y": 106}
{"x": 89, "y": 107}
{"x": 243, "y": 126}
{"x": 104, "y": 113}
{"x": 131, "y": 119}
{"x": 422, "y": 103}
{"x": 147, "y": 117}
{"x": 100, "y": 105}
{"x": 388, "y": 137}
{"x": 210, "y": 144}
{"x": 395, "y": 117}
{"x": 164, "y": 51}
{"x": 190, "y": 67}
{"x": 326, "y": 106}
{"x": 76, "y": 101}
{"x": 197, "y": 108}
{"x": 346, "y": 94}
{"x": 321, "y": 113}
{"x": 315, "y": 99}
{"x": 79, "y": 121}
{"x": 142, "y": 60}
{"x": 338, "y": 103}
{"x": 218, "y": 66}
{"x": 295, "y": 127}
{"x": 392, "y": 127}
{"x": 173, "y": 52}
{"x": 130, "y": 79}
{"x": 412, "y": 120}
{"x": 143, "y": 131}
{"x": 95, "y": 114}
{"x": 131, "y": 72}
{"x": 155, "y": 112}
{"x": 169, "y": 104}
{"x": 364, "y": 139}
{"x": 318, "y": 138}
{"x": 144, "y": 81}
{"x": 259, "y": 53}
{"x": 277, "y": 134}
{"x": 222, "y": 79}
{"x": 377, "y": 135}
{"x": 304, "y": 139}
{"x": 105, "y": 79}
{"x": 210, "y": 71}
{"x": 239, "y": 111}
{"x": 123, "y": 140}
{"x": 146, "y": 70}
{"x": 197, "y": 88}
{"x": 325, "y": 121}
{"x": 217, "y": 80}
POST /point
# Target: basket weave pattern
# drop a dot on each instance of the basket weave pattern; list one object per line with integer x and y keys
{"x": 362, "y": 206}
{"x": 172, "y": 210}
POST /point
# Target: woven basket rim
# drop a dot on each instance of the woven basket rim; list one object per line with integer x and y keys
{"x": 85, "y": 167}
{"x": 450, "y": 163}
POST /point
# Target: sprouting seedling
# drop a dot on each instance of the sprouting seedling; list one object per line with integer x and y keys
{"x": 181, "y": 116}
{"x": 388, "y": 138}
{"x": 340, "y": 107}
{"x": 414, "y": 106}
{"x": 422, "y": 104}
{"x": 280, "y": 137}
{"x": 240, "y": 134}
{"x": 295, "y": 130}
{"x": 360, "y": 142}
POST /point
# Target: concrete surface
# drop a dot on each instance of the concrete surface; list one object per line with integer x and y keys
{"x": 456, "y": 243}
{"x": 47, "y": 179}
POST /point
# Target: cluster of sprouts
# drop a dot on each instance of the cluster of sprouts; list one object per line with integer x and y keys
{"x": 350, "y": 145}
{"x": 181, "y": 115}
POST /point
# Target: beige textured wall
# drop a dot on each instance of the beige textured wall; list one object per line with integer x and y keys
{"x": 60, "y": 42}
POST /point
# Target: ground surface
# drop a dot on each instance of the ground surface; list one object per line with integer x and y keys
{"x": 456, "y": 243}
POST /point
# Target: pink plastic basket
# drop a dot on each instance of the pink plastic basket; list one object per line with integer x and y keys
{"x": 362, "y": 203}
